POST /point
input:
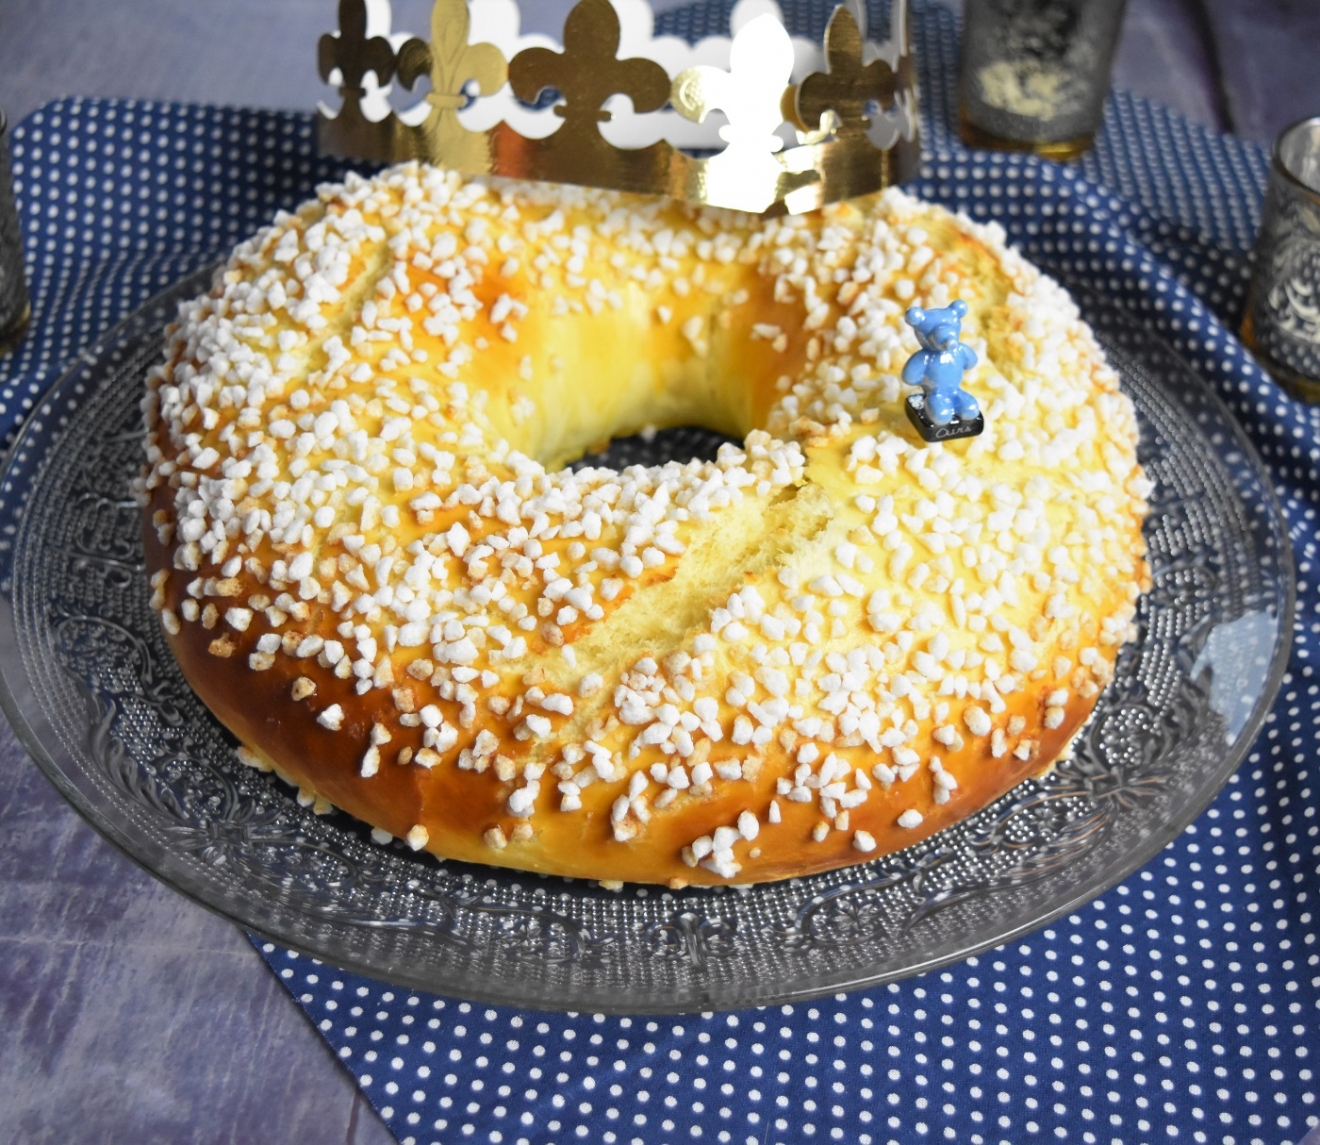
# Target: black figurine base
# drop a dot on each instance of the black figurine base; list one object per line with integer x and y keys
{"x": 958, "y": 427}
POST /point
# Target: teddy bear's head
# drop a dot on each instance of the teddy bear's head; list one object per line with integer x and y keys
{"x": 938, "y": 330}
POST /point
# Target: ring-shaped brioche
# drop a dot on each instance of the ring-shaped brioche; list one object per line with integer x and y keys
{"x": 374, "y": 569}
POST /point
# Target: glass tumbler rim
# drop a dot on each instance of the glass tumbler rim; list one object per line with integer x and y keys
{"x": 1285, "y": 163}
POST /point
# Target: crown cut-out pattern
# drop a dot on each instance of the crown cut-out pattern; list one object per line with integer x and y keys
{"x": 355, "y": 56}
{"x": 452, "y": 64}
{"x": 750, "y": 94}
{"x": 848, "y": 87}
{"x": 827, "y": 119}
{"x": 588, "y": 71}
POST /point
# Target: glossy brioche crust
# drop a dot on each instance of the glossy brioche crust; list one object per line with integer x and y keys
{"x": 755, "y": 644}
{"x": 458, "y": 807}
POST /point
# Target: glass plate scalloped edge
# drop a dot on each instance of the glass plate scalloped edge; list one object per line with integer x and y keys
{"x": 93, "y": 693}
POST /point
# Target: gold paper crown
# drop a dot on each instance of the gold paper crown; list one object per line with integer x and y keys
{"x": 525, "y": 107}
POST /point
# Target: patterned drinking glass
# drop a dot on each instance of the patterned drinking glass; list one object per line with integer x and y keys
{"x": 14, "y": 308}
{"x": 1283, "y": 309}
{"x": 1034, "y": 73}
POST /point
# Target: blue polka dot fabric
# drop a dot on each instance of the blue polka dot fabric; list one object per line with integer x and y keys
{"x": 1182, "y": 1006}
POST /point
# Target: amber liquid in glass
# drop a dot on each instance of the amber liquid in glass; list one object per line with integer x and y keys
{"x": 1058, "y": 150}
{"x": 1302, "y": 388}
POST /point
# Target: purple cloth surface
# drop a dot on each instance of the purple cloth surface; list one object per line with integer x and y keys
{"x": 130, "y": 1015}
{"x": 1267, "y": 53}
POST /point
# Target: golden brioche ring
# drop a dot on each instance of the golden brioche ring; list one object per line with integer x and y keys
{"x": 373, "y": 567}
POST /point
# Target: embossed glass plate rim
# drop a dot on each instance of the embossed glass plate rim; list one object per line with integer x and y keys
{"x": 28, "y": 722}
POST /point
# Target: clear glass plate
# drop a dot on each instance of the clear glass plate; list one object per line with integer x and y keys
{"x": 93, "y": 692}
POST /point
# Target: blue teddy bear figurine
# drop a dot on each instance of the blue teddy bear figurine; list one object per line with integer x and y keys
{"x": 939, "y": 365}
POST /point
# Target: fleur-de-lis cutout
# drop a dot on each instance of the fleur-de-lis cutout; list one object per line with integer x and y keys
{"x": 749, "y": 93}
{"x": 588, "y": 71}
{"x": 746, "y": 175}
{"x": 837, "y": 158}
{"x": 452, "y": 63}
{"x": 354, "y": 55}
{"x": 847, "y": 87}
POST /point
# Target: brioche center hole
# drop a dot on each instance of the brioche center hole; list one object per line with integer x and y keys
{"x": 653, "y": 447}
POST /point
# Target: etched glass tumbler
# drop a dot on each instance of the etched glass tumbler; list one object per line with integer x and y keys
{"x": 13, "y": 286}
{"x": 1283, "y": 309}
{"x": 1034, "y": 73}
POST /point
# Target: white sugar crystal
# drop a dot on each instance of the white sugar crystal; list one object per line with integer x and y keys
{"x": 977, "y": 721}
